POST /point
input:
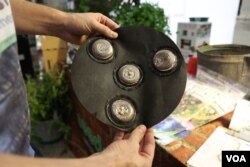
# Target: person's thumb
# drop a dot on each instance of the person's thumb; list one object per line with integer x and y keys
{"x": 104, "y": 30}
{"x": 138, "y": 134}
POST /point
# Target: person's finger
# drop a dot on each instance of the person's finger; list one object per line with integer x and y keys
{"x": 108, "y": 22}
{"x": 138, "y": 134}
{"x": 148, "y": 147}
{"x": 104, "y": 30}
{"x": 84, "y": 38}
{"x": 141, "y": 144}
{"x": 119, "y": 136}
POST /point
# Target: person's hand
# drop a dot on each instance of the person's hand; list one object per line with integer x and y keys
{"x": 78, "y": 26}
{"x": 136, "y": 149}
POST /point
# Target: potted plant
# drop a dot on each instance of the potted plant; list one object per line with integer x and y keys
{"x": 101, "y": 6}
{"x": 48, "y": 102}
{"x": 145, "y": 14}
{"x": 127, "y": 13}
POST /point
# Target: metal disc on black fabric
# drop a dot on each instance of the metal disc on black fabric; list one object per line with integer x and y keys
{"x": 102, "y": 49}
{"x": 140, "y": 52}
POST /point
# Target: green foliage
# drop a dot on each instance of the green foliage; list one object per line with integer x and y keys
{"x": 127, "y": 13}
{"x": 48, "y": 97}
{"x": 101, "y": 6}
{"x": 82, "y": 5}
{"x": 145, "y": 14}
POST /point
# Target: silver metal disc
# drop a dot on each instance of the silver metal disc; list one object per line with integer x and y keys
{"x": 164, "y": 60}
{"x": 129, "y": 74}
{"x": 123, "y": 111}
{"x": 102, "y": 49}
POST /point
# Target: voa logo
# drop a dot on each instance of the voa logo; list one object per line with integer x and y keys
{"x": 236, "y": 158}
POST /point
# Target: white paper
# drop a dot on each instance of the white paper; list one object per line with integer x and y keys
{"x": 241, "y": 117}
{"x": 206, "y": 98}
{"x": 209, "y": 154}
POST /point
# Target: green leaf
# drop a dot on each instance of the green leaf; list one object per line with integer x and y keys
{"x": 146, "y": 14}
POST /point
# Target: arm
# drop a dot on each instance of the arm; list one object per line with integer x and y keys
{"x": 8, "y": 160}
{"x": 136, "y": 149}
{"x": 31, "y": 18}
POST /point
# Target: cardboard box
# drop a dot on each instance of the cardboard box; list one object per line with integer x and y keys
{"x": 191, "y": 35}
{"x": 49, "y": 42}
{"x": 53, "y": 58}
{"x": 54, "y": 52}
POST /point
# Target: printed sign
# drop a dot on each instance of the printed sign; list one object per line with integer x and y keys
{"x": 7, "y": 28}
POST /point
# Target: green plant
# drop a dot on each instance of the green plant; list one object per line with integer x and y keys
{"x": 102, "y": 6}
{"x": 127, "y": 13}
{"x": 49, "y": 100}
{"x": 146, "y": 14}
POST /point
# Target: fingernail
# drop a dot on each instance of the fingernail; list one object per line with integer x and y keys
{"x": 114, "y": 35}
{"x": 142, "y": 128}
{"x": 117, "y": 26}
{"x": 151, "y": 130}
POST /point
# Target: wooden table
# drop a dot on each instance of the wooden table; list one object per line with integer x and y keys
{"x": 178, "y": 152}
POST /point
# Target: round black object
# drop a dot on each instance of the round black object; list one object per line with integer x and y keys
{"x": 96, "y": 84}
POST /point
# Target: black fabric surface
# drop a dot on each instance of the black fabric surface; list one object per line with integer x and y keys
{"x": 95, "y": 83}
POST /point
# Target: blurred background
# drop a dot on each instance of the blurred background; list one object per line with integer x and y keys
{"x": 200, "y": 28}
